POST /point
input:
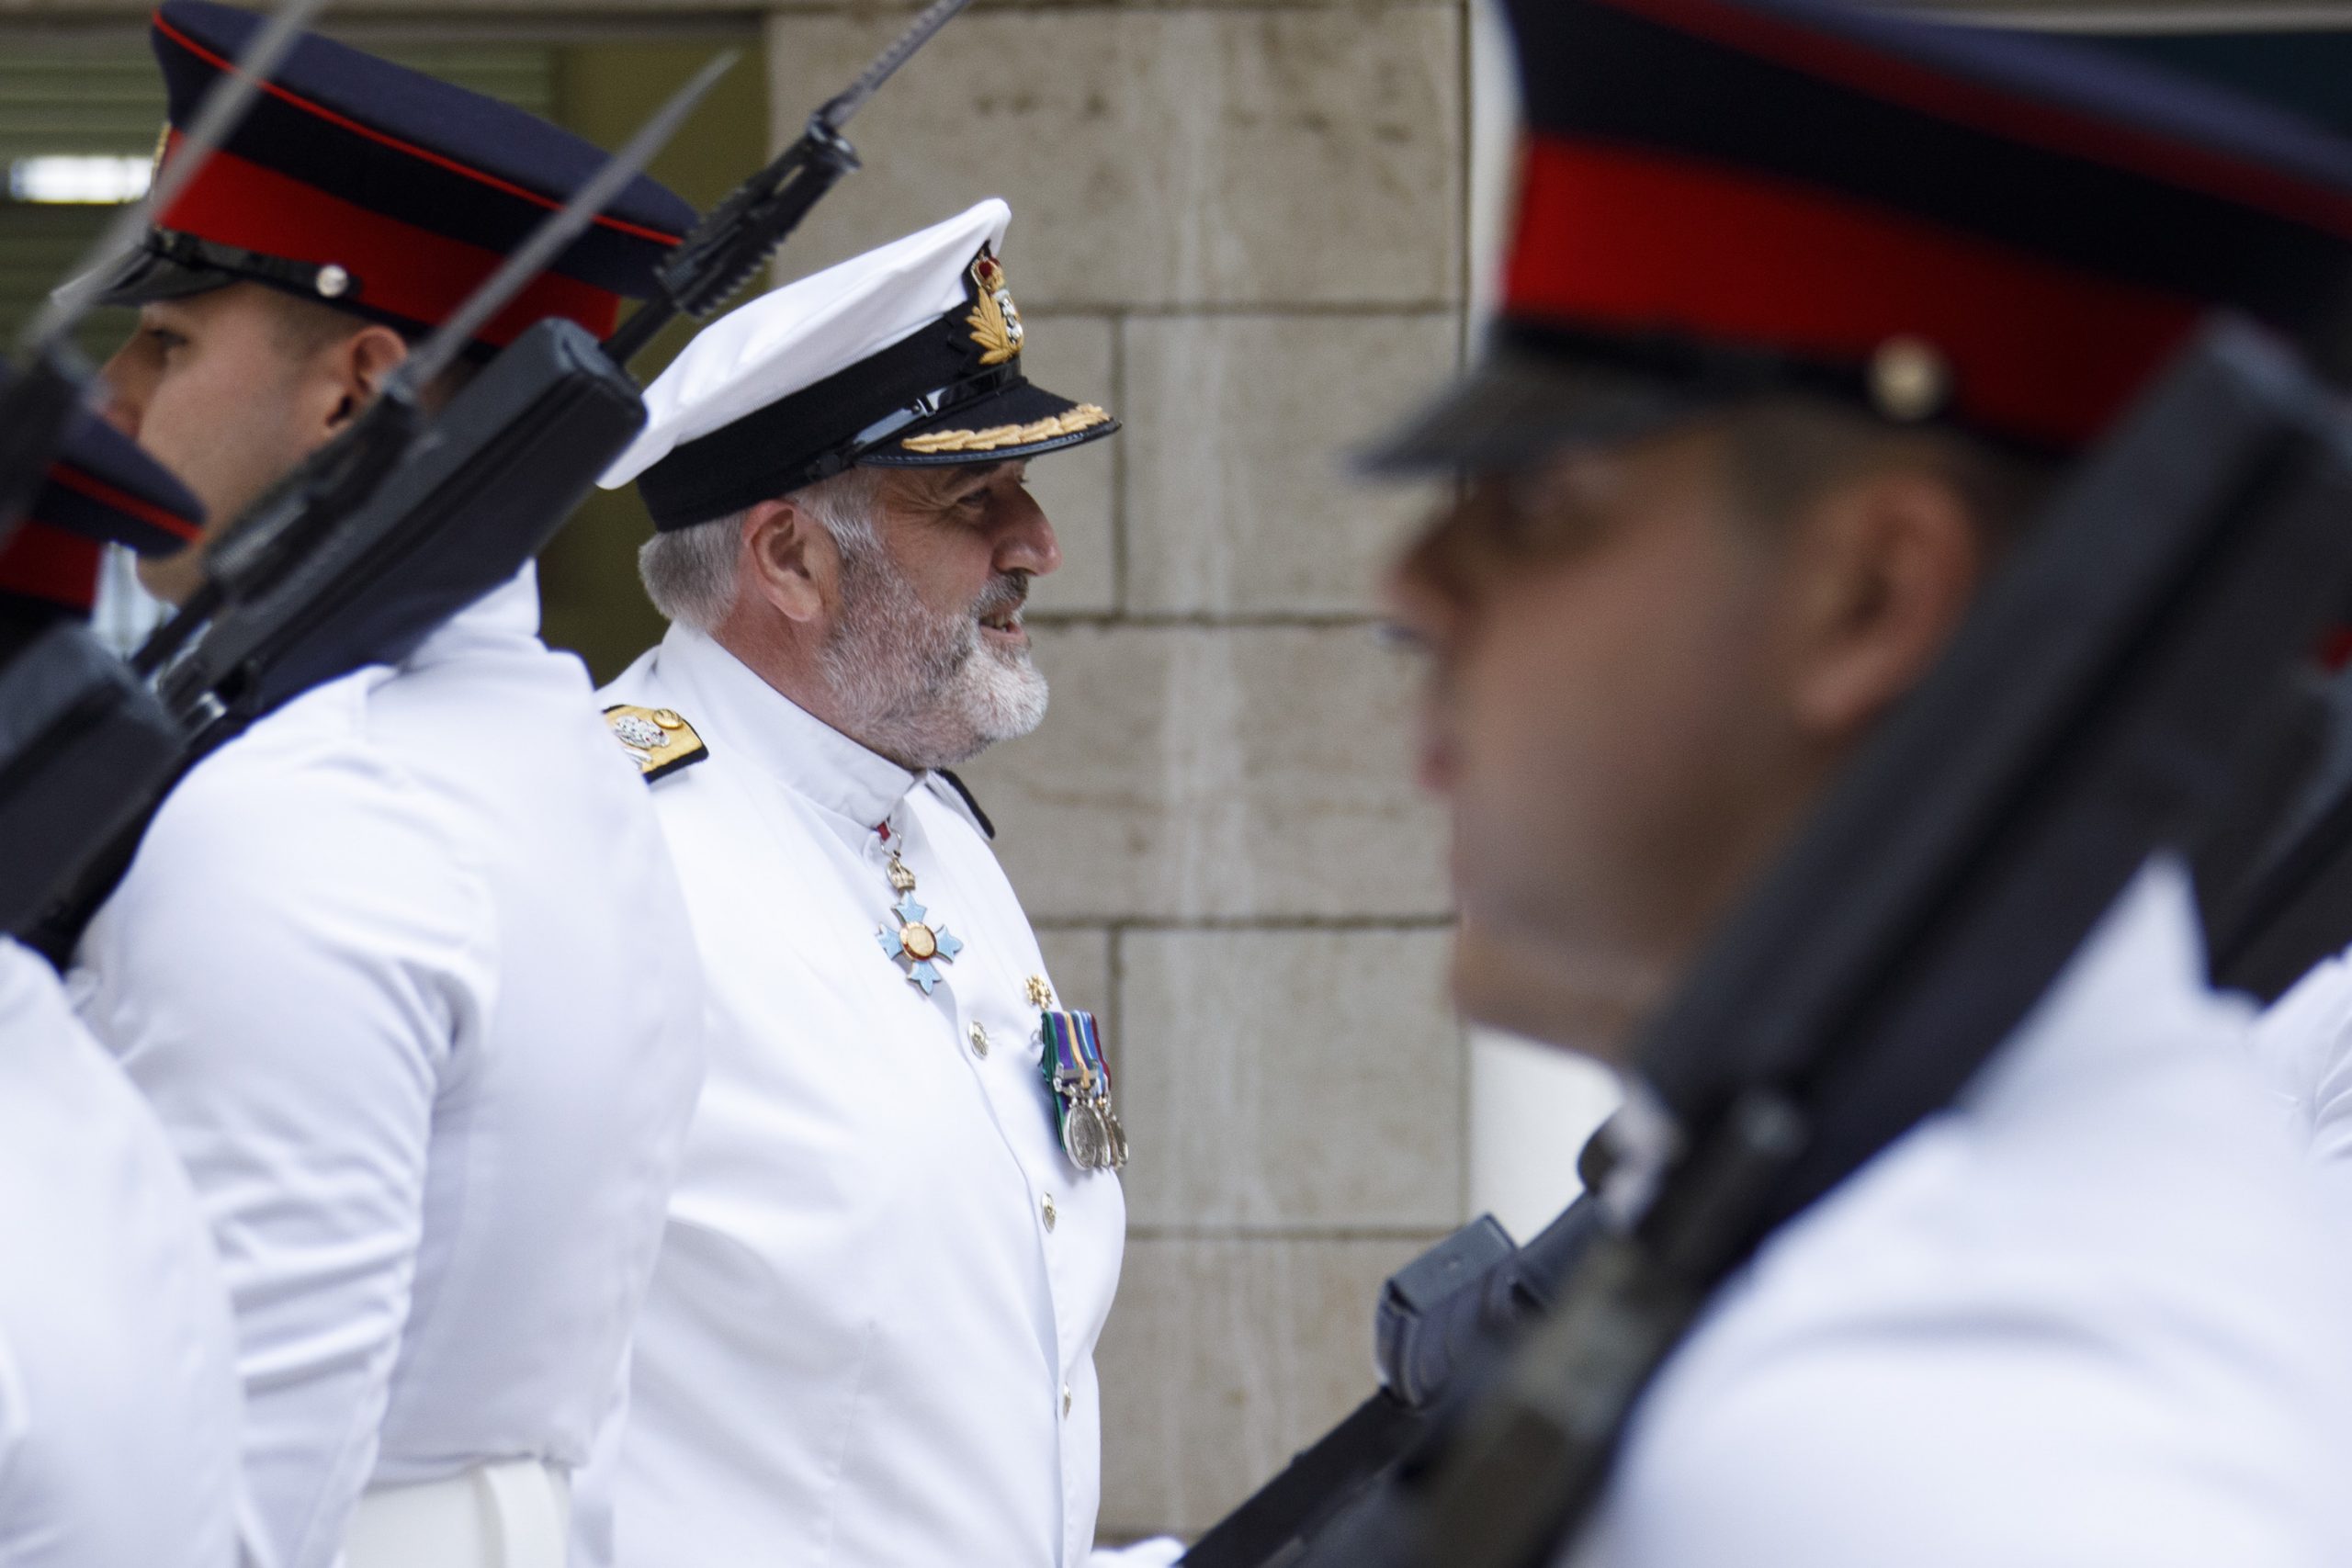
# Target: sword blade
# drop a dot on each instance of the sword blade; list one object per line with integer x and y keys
{"x": 225, "y": 103}
{"x": 560, "y": 228}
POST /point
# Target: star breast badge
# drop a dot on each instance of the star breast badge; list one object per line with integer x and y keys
{"x": 917, "y": 944}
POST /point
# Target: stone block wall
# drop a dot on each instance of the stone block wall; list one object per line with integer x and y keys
{"x": 1242, "y": 227}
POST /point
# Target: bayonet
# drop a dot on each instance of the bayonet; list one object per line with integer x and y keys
{"x": 744, "y": 231}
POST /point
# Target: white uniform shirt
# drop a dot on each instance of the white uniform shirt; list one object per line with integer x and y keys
{"x": 2303, "y": 1046}
{"x": 117, "y": 1370}
{"x": 2092, "y": 1314}
{"x": 870, "y": 1340}
{"x": 406, "y": 972}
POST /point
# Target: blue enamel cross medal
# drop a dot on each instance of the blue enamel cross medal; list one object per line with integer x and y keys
{"x": 915, "y": 943}
{"x": 1081, "y": 1081}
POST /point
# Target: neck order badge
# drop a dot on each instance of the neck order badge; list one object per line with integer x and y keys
{"x": 1074, "y": 1069}
{"x": 916, "y": 943}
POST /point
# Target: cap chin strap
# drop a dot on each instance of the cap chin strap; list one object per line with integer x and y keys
{"x": 930, "y": 405}
{"x": 327, "y": 282}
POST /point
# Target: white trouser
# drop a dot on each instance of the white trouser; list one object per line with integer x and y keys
{"x": 515, "y": 1513}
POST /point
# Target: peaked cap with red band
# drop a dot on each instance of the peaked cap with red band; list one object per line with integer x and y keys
{"x": 382, "y": 191}
{"x": 101, "y": 489}
{"x": 2001, "y": 231}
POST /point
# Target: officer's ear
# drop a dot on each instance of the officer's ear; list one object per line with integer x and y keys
{"x": 791, "y": 560}
{"x": 1882, "y": 567}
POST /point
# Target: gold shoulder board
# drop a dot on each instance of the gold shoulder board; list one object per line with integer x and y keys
{"x": 657, "y": 739}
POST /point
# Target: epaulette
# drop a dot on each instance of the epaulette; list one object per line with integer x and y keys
{"x": 658, "y": 740}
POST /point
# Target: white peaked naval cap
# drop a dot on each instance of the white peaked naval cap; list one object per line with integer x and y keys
{"x": 907, "y": 355}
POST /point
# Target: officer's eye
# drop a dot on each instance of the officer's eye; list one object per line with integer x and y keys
{"x": 165, "y": 340}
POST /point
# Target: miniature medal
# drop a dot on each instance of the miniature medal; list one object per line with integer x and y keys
{"x": 1081, "y": 1081}
{"x": 915, "y": 943}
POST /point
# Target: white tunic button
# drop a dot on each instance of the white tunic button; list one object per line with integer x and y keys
{"x": 1049, "y": 1211}
{"x": 980, "y": 1040}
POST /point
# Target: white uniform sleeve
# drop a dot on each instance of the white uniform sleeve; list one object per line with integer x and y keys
{"x": 2331, "y": 1112}
{"x": 2304, "y": 1048}
{"x": 289, "y": 972}
{"x": 1159, "y": 1552}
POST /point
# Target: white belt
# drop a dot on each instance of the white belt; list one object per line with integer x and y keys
{"x": 515, "y": 1513}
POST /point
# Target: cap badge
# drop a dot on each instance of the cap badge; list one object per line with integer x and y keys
{"x": 995, "y": 320}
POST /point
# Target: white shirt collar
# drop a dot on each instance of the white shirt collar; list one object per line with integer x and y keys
{"x": 739, "y": 711}
{"x": 507, "y": 613}
{"x": 2136, "y": 983}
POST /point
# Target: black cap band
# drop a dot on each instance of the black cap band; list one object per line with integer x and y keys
{"x": 819, "y": 430}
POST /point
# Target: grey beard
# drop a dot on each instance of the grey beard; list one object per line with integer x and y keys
{"x": 922, "y": 688}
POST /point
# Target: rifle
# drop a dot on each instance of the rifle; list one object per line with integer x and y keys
{"x": 426, "y": 521}
{"x": 1439, "y": 1331}
{"x": 286, "y": 587}
{"x": 82, "y": 742}
{"x": 2092, "y": 710}
{"x": 2277, "y": 895}
{"x": 742, "y": 231}
{"x": 405, "y": 520}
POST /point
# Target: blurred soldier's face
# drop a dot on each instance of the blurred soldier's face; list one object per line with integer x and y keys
{"x": 231, "y": 394}
{"x": 1597, "y": 716}
{"x": 1635, "y": 689}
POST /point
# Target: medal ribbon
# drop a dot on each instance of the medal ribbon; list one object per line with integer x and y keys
{"x": 1074, "y": 1067}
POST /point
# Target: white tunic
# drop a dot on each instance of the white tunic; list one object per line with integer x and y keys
{"x": 406, "y": 972}
{"x": 870, "y": 1340}
{"x": 2093, "y": 1313}
{"x": 2303, "y": 1045}
{"x": 117, "y": 1370}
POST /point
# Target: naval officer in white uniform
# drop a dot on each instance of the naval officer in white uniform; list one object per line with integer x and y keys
{"x": 118, "y": 1398}
{"x": 870, "y": 1339}
{"x": 404, "y": 968}
{"x": 1721, "y": 521}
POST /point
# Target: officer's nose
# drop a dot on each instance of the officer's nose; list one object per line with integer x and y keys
{"x": 1026, "y": 543}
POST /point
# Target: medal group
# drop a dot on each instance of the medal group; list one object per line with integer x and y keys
{"x": 1069, "y": 1039}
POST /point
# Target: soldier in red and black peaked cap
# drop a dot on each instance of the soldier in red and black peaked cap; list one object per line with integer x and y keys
{"x": 1803, "y": 311}
{"x": 404, "y": 968}
{"x": 101, "y": 490}
{"x": 355, "y": 192}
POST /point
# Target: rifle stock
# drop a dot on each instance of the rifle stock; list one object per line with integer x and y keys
{"x": 83, "y": 747}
